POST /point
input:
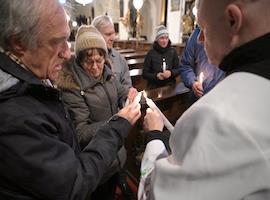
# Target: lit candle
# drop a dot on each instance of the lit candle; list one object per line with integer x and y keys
{"x": 163, "y": 65}
{"x": 201, "y": 77}
{"x": 153, "y": 106}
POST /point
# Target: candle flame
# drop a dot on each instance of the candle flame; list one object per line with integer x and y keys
{"x": 201, "y": 77}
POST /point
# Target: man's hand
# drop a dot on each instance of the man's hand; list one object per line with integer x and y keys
{"x": 132, "y": 94}
{"x": 153, "y": 120}
{"x": 197, "y": 89}
{"x": 131, "y": 112}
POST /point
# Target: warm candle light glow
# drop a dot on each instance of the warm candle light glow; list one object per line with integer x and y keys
{"x": 201, "y": 77}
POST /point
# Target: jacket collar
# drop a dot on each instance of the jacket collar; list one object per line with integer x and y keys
{"x": 28, "y": 82}
{"x": 111, "y": 52}
{"x": 12, "y": 68}
{"x": 251, "y": 57}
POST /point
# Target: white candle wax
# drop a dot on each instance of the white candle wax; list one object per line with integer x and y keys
{"x": 201, "y": 77}
{"x": 153, "y": 106}
{"x": 163, "y": 65}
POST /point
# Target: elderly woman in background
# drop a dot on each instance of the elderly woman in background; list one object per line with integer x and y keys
{"x": 93, "y": 95}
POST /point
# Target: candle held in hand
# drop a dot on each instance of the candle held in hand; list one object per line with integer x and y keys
{"x": 153, "y": 106}
{"x": 163, "y": 65}
{"x": 137, "y": 99}
{"x": 201, "y": 77}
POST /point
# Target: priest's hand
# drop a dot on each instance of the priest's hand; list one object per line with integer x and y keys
{"x": 132, "y": 92}
{"x": 153, "y": 121}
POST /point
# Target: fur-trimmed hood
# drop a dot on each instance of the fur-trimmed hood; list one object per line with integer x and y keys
{"x": 73, "y": 77}
{"x": 66, "y": 79}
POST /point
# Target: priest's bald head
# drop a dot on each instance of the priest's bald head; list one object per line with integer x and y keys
{"x": 227, "y": 24}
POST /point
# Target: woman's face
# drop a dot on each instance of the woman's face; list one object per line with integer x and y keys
{"x": 163, "y": 41}
{"x": 93, "y": 64}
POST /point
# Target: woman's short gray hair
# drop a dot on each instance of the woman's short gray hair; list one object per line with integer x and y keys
{"x": 22, "y": 20}
{"x": 101, "y": 21}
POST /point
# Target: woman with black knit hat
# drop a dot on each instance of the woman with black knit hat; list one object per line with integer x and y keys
{"x": 161, "y": 64}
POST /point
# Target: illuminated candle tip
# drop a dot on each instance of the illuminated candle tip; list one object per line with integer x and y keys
{"x": 201, "y": 77}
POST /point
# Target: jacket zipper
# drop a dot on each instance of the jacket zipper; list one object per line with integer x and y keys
{"x": 107, "y": 93}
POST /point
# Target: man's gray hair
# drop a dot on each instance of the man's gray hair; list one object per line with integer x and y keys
{"x": 21, "y": 19}
{"x": 101, "y": 21}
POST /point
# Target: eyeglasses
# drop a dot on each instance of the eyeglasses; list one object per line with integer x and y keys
{"x": 91, "y": 62}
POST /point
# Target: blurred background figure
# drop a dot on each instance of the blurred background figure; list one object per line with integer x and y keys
{"x": 193, "y": 64}
{"x": 120, "y": 68}
{"x": 161, "y": 64}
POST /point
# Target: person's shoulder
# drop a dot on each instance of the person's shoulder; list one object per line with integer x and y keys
{"x": 19, "y": 107}
{"x": 115, "y": 52}
{"x": 66, "y": 79}
{"x": 152, "y": 52}
{"x": 116, "y": 55}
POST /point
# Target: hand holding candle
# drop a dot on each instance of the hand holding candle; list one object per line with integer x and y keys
{"x": 163, "y": 65}
{"x": 197, "y": 86}
{"x": 153, "y": 106}
{"x": 152, "y": 121}
{"x": 136, "y": 100}
{"x": 201, "y": 77}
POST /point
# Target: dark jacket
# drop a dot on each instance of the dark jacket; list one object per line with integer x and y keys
{"x": 39, "y": 154}
{"x": 91, "y": 103}
{"x": 153, "y": 65}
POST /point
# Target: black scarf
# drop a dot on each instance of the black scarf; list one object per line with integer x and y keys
{"x": 160, "y": 49}
{"x": 252, "y": 57}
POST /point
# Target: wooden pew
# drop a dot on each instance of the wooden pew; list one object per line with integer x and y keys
{"x": 144, "y": 45}
{"x": 172, "y": 101}
{"x": 137, "y": 80}
{"x": 126, "y": 51}
{"x": 135, "y": 63}
{"x": 140, "y": 54}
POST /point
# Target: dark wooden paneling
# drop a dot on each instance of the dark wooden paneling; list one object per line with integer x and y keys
{"x": 172, "y": 101}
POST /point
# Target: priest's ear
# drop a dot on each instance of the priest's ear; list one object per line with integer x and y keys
{"x": 234, "y": 16}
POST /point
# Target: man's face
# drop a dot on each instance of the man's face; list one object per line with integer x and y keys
{"x": 163, "y": 41}
{"x": 46, "y": 60}
{"x": 108, "y": 33}
{"x": 214, "y": 30}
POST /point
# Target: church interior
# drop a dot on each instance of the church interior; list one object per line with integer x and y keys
{"x": 134, "y": 23}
